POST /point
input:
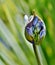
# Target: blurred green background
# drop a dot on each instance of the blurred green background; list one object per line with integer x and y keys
{"x": 14, "y": 48}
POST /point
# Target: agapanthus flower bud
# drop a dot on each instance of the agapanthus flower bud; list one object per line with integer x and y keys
{"x": 35, "y": 30}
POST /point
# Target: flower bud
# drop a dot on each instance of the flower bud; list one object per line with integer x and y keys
{"x": 35, "y": 30}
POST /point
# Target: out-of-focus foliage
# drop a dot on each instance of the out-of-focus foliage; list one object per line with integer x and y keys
{"x": 14, "y": 48}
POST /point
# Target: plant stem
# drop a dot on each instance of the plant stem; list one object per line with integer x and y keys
{"x": 36, "y": 54}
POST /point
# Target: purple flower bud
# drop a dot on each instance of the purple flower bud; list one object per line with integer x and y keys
{"x": 35, "y": 21}
{"x": 36, "y": 30}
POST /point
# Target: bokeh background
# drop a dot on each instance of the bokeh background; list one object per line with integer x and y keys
{"x": 14, "y": 48}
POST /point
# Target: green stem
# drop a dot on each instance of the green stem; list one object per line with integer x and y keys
{"x": 36, "y": 54}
